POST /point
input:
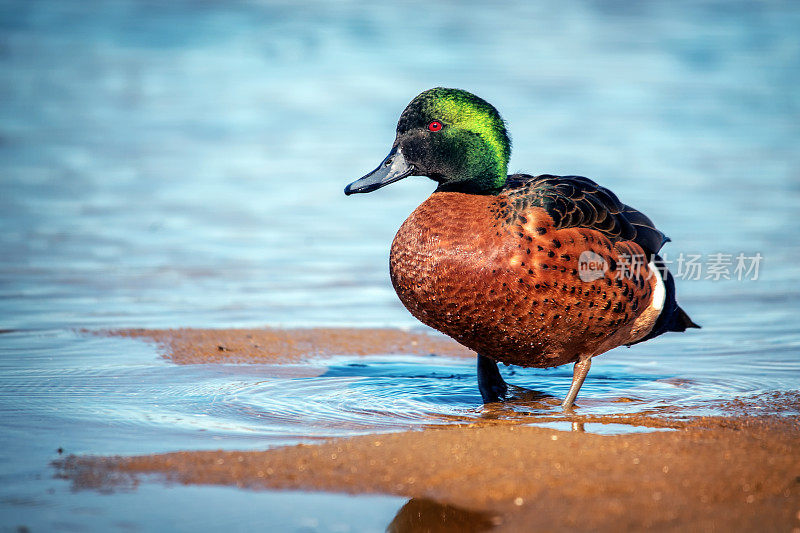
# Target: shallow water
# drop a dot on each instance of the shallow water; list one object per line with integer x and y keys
{"x": 183, "y": 165}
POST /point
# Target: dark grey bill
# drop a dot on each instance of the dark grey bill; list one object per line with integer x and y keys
{"x": 391, "y": 169}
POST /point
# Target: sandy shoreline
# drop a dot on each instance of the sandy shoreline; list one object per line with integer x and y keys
{"x": 727, "y": 473}
{"x": 271, "y": 345}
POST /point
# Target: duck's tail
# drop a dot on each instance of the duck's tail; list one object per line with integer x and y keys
{"x": 672, "y": 317}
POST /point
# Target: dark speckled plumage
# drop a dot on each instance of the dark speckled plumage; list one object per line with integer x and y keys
{"x": 502, "y": 278}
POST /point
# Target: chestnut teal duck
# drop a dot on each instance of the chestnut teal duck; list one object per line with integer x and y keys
{"x": 535, "y": 271}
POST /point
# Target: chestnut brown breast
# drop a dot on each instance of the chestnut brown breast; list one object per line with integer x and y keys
{"x": 511, "y": 290}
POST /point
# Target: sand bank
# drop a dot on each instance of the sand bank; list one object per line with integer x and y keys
{"x": 268, "y": 345}
{"x": 720, "y": 474}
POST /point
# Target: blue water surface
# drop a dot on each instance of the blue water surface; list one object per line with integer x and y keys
{"x": 181, "y": 164}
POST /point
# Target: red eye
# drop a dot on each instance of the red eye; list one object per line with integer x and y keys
{"x": 435, "y": 125}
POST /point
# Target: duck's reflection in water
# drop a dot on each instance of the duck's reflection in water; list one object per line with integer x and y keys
{"x": 528, "y": 405}
{"x": 521, "y": 403}
{"x": 421, "y": 515}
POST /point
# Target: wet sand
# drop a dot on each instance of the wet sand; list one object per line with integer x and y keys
{"x": 269, "y": 345}
{"x": 721, "y": 474}
{"x": 727, "y": 473}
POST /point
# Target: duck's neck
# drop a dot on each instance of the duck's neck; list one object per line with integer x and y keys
{"x": 488, "y": 185}
{"x": 486, "y": 175}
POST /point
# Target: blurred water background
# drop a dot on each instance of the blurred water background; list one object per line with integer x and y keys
{"x": 181, "y": 164}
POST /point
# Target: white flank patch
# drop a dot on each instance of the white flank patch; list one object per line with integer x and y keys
{"x": 660, "y": 292}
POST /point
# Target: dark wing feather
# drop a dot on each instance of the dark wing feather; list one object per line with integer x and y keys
{"x": 575, "y": 201}
{"x": 646, "y": 231}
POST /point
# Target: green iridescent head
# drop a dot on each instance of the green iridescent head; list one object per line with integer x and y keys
{"x": 451, "y": 136}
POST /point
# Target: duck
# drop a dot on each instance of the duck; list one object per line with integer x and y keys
{"x": 535, "y": 271}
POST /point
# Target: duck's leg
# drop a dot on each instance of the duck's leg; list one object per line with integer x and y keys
{"x": 578, "y": 375}
{"x": 490, "y": 382}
